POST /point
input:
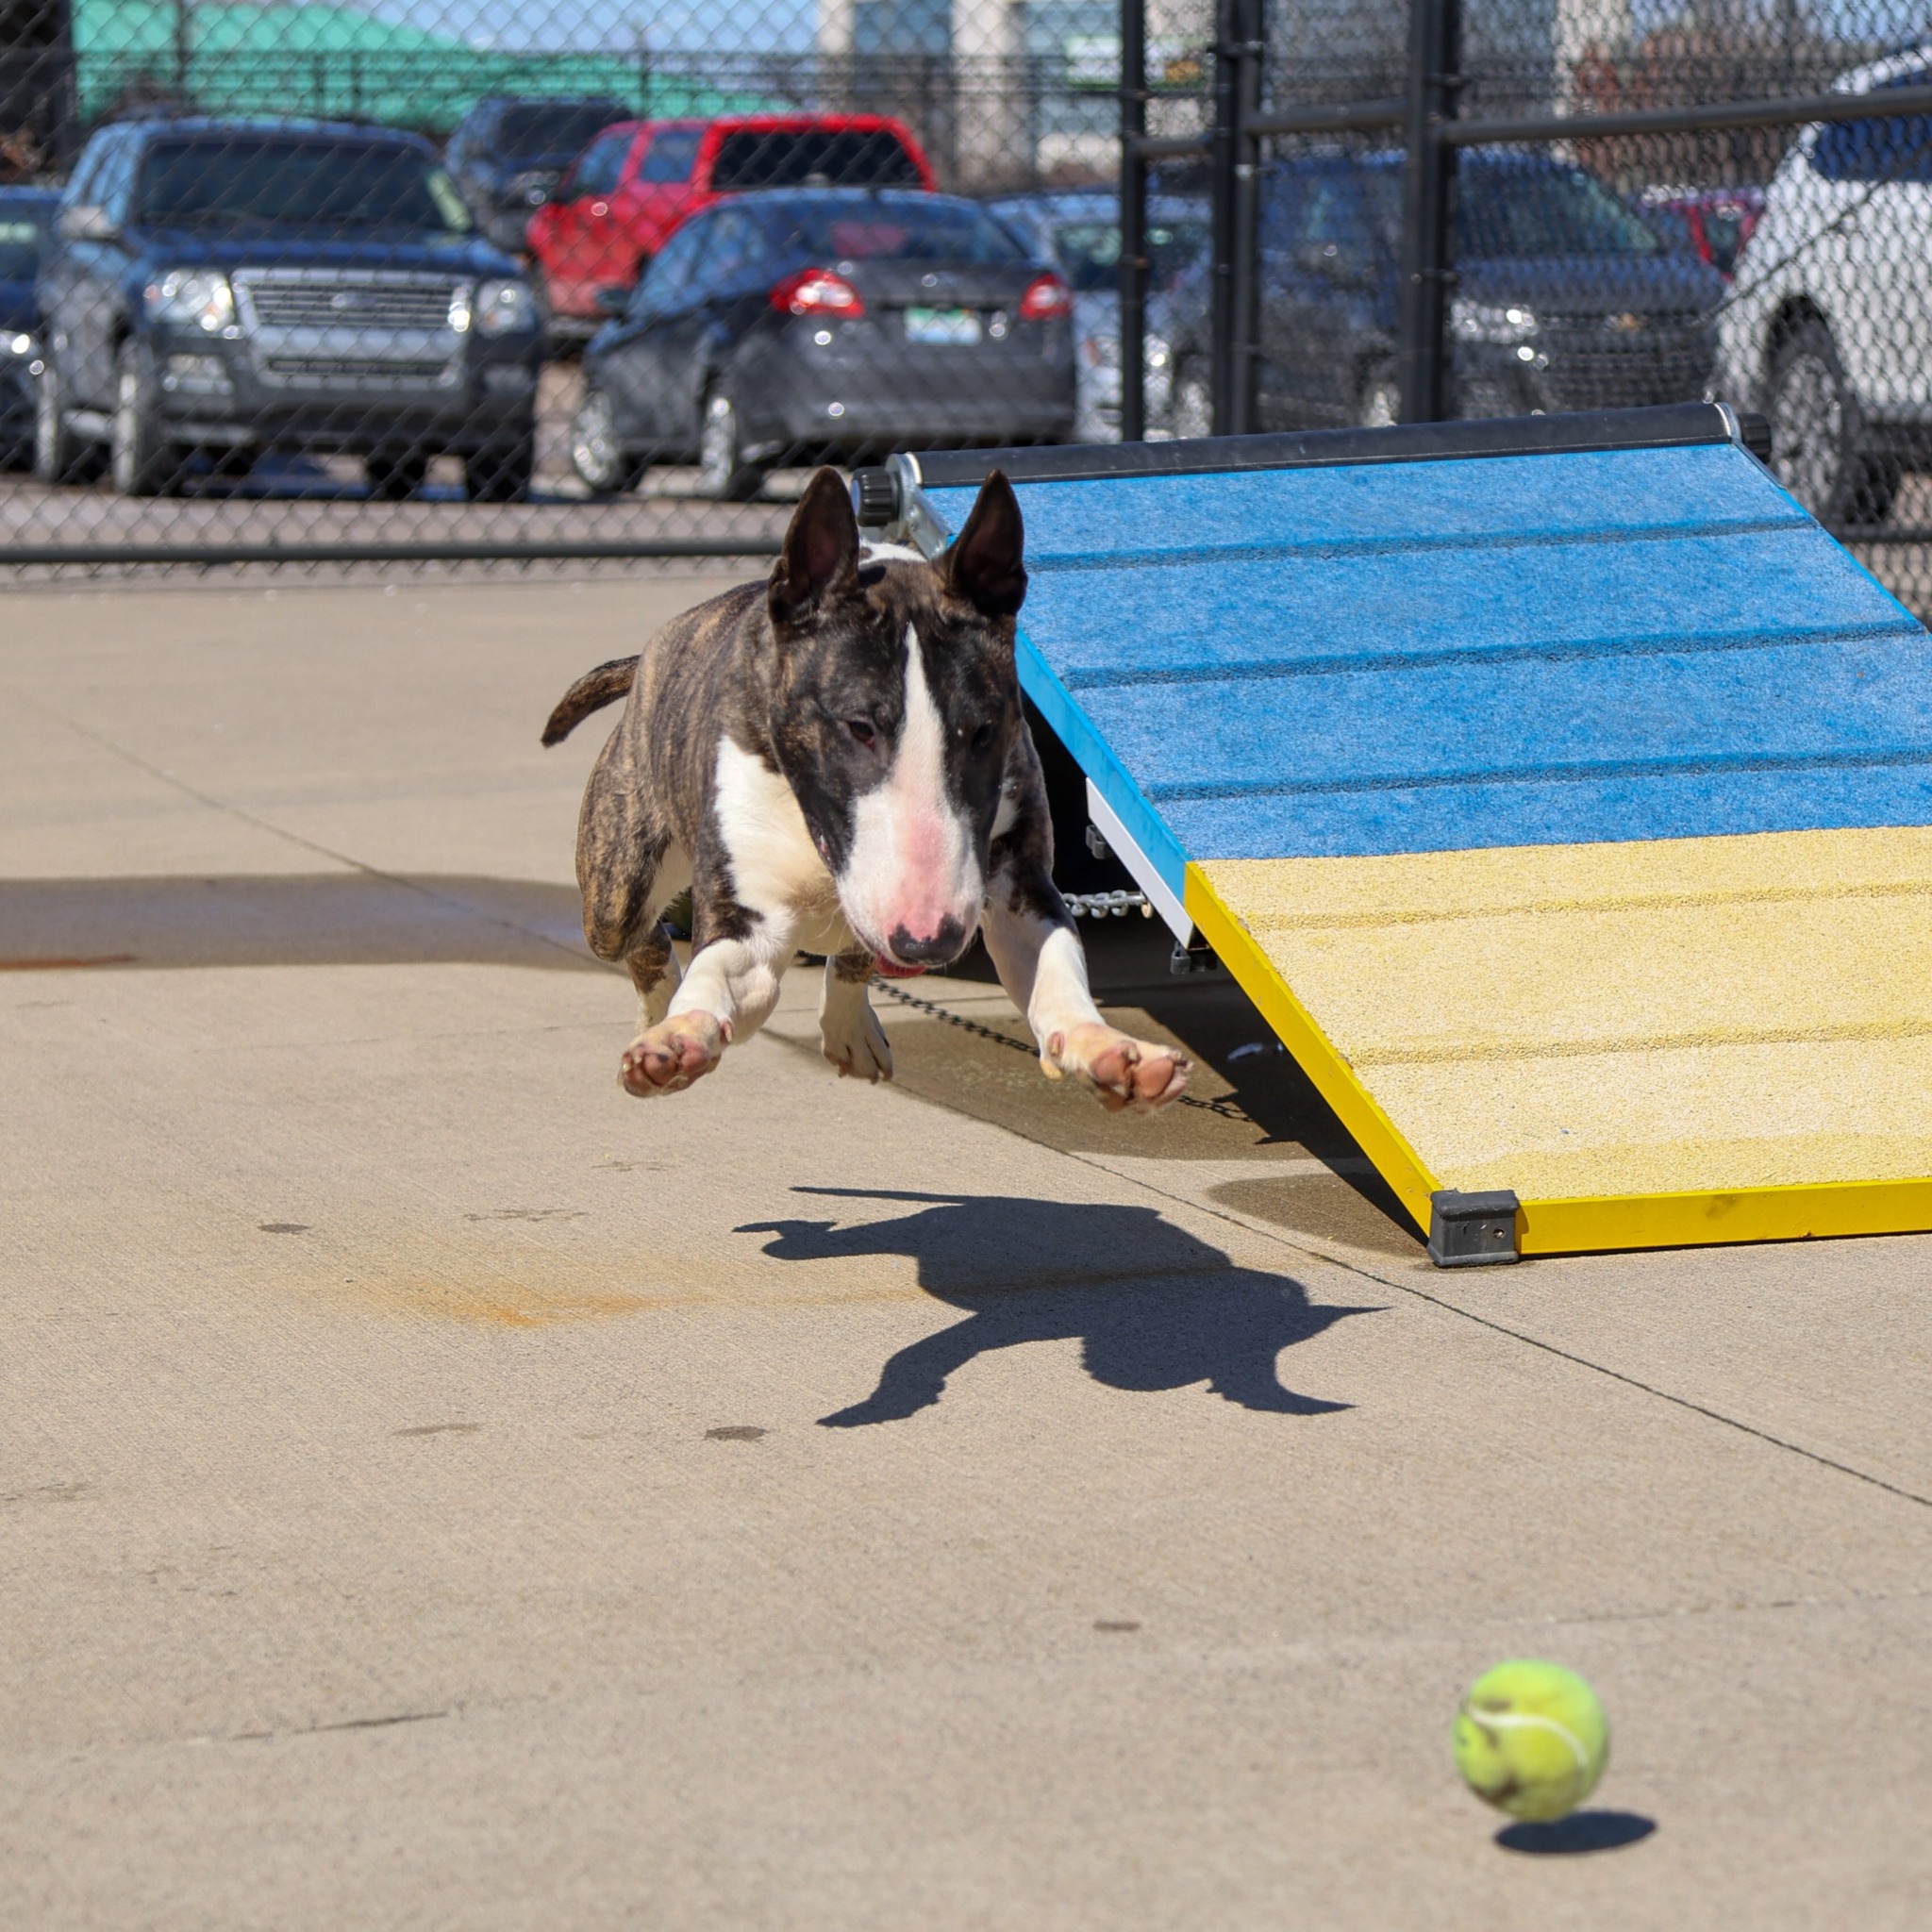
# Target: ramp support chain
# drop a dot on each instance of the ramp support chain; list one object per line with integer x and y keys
{"x": 1473, "y": 1230}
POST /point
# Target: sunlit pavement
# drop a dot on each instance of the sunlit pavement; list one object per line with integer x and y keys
{"x": 440, "y": 1491}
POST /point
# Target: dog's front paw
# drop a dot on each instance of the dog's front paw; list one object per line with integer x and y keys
{"x": 667, "y": 1057}
{"x": 855, "y": 1043}
{"x": 1124, "y": 1071}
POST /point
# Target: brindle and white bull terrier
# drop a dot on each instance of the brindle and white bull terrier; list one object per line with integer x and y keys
{"x": 835, "y": 761}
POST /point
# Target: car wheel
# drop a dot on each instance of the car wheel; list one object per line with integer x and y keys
{"x": 395, "y": 473}
{"x": 723, "y": 472}
{"x": 1192, "y": 413}
{"x": 60, "y": 455}
{"x": 1815, "y": 432}
{"x": 502, "y": 473}
{"x": 1379, "y": 406}
{"x": 596, "y": 454}
{"x": 141, "y": 460}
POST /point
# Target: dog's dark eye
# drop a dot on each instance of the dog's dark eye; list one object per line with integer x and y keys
{"x": 982, "y": 738}
{"x": 862, "y": 729}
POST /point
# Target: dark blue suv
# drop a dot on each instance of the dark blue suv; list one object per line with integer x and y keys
{"x": 1565, "y": 298}
{"x": 230, "y": 287}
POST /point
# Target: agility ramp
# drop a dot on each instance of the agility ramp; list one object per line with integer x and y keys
{"x": 1557, "y": 789}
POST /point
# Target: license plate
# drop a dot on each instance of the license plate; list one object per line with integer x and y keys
{"x": 952, "y": 325}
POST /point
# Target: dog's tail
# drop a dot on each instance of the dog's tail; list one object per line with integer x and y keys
{"x": 590, "y": 692}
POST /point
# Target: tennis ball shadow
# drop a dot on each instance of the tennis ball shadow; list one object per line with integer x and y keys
{"x": 1582, "y": 1831}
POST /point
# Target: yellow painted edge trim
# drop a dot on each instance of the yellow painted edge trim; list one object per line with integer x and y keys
{"x": 1377, "y": 1136}
{"x": 1807, "y": 1210}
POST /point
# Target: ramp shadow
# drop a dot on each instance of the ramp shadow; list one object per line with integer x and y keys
{"x": 1152, "y": 1307}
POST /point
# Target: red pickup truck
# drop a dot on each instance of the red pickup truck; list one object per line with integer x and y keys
{"x": 638, "y": 180}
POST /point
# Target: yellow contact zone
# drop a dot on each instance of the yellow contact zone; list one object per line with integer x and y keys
{"x": 1376, "y": 1135}
{"x": 1586, "y": 1225}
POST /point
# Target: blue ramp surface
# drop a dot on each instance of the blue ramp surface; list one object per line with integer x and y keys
{"x": 1564, "y": 809}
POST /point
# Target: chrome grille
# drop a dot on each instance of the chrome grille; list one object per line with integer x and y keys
{"x": 357, "y": 373}
{"x": 337, "y": 302}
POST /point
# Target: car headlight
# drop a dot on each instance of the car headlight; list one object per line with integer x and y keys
{"x": 21, "y": 345}
{"x": 1484, "y": 321}
{"x": 1158, "y": 352}
{"x": 191, "y": 297}
{"x": 502, "y": 306}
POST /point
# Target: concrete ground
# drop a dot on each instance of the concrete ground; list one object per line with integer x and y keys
{"x": 436, "y": 1490}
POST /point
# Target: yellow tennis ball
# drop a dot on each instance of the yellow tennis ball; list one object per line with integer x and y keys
{"x": 1531, "y": 1739}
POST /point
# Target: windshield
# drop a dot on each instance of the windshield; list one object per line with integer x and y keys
{"x": 554, "y": 127}
{"x": 889, "y": 232}
{"x": 1091, "y": 252}
{"x": 20, "y": 247}
{"x": 245, "y": 181}
{"x": 1515, "y": 215}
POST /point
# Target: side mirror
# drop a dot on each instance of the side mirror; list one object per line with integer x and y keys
{"x": 87, "y": 221}
{"x": 612, "y": 301}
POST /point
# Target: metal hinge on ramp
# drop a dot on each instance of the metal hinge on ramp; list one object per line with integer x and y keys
{"x": 1473, "y": 1230}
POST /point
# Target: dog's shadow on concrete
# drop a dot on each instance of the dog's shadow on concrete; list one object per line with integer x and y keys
{"x": 1151, "y": 1305}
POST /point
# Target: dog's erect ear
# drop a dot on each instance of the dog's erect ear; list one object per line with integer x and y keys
{"x": 984, "y": 564}
{"x": 821, "y": 554}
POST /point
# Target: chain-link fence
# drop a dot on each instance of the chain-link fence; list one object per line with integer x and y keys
{"x": 449, "y": 278}
{"x": 1534, "y": 205}
{"x": 416, "y": 278}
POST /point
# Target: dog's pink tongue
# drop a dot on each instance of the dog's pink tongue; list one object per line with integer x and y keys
{"x": 890, "y": 969}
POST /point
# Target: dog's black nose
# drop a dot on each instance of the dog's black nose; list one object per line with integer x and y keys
{"x": 944, "y": 947}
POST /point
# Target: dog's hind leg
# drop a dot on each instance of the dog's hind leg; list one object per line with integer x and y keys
{"x": 850, "y": 1035}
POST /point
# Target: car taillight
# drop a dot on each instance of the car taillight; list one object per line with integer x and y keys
{"x": 1045, "y": 300}
{"x": 817, "y": 291}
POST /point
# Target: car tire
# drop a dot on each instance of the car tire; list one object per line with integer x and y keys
{"x": 1190, "y": 413}
{"x": 1816, "y": 430}
{"x": 502, "y": 473}
{"x": 395, "y": 474}
{"x": 722, "y": 473}
{"x": 60, "y": 455}
{"x": 1378, "y": 404}
{"x": 141, "y": 460}
{"x": 596, "y": 454}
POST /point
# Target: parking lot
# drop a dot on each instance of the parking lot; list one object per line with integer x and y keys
{"x": 297, "y": 500}
{"x": 442, "y": 1490}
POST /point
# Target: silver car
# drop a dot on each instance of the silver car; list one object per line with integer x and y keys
{"x": 1078, "y": 232}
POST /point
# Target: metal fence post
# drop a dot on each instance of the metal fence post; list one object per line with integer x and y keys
{"x": 1133, "y": 262}
{"x": 1221, "y": 165}
{"x": 1232, "y": 160}
{"x": 1434, "y": 51}
{"x": 1245, "y": 290}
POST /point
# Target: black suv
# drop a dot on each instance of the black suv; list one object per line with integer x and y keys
{"x": 232, "y": 287}
{"x": 1564, "y": 297}
{"x": 508, "y": 152}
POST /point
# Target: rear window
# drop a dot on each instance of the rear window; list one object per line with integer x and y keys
{"x": 245, "y": 181}
{"x": 555, "y": 127}
{"x": 1898, "y": 148}
{"x": 933, "y": 231}
{"x": 1517, "y": 214}
{"x": 20, "y": 246}
{"x": 1091, "y": 252}
{"x": 813, "y": 158}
